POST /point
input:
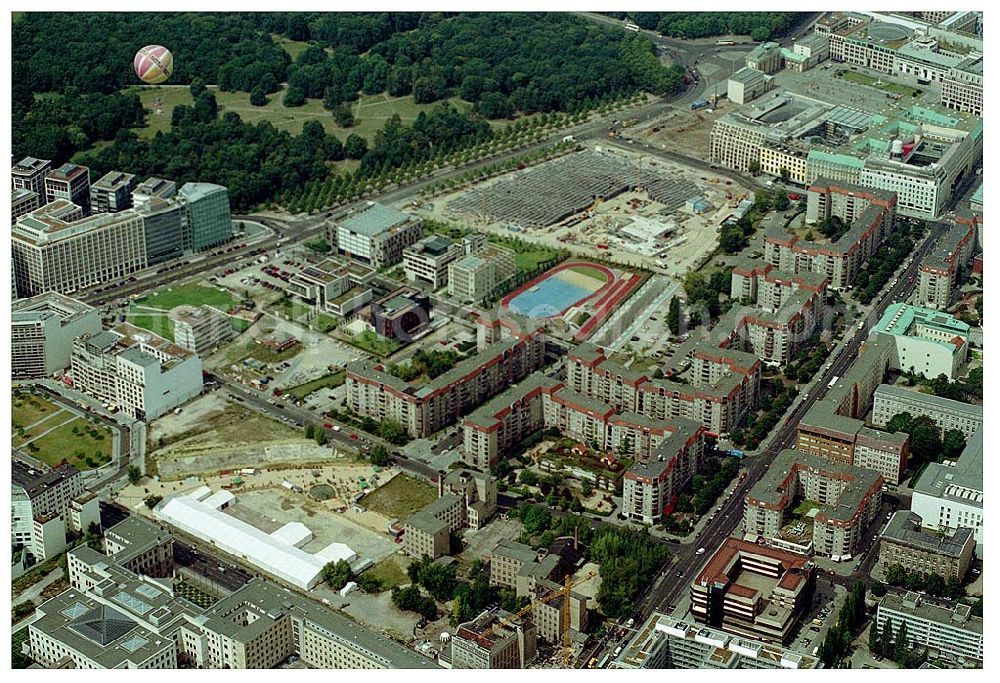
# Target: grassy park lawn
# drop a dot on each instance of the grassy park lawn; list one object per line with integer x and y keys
{"x": 160, "y": 324}
{"x": 370, "y": 111}
{"x": 325, "y": 323}
{"x": 804, "y": 507}
{"x": 401, "y": 497}
{"x": 191, "y": 295}
{"x": 334, "y": 379}
{"x": 371, "y": 342}
{"x": 865, "y": 79}
{"x": 27, "y": 409}
{"x": 88, "y": 448}
{"x": 389, "y": 572}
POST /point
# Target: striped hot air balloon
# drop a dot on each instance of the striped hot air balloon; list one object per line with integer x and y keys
{"x": 153, "y": 64}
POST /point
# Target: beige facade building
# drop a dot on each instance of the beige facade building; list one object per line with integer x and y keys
{"x": 748, "y": 84}
{"x": 42, "y": 331}
{"x": 56, "y": 249}
{"x": 473, "y": 277}
{"x": 962, "y": 88}
{"x": 426, "y": 261}
{"x": 466, "y": 499}
{"x": 905, "y": 543}
{"x": 850, "y": 498}
{"x": 201, "y": 329}
{"x": 375, "y": 236}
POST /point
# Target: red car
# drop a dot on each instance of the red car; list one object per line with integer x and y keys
{"x": 354, "y": 435}
{"x": 327, "y": 425}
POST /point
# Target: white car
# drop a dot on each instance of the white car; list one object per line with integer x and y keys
{"x": 336, "y": 428}
{"x": 699, "y": 551}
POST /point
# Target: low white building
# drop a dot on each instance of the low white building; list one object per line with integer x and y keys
{"x": 200, "y": 513}
{"x": 951, "y": 496}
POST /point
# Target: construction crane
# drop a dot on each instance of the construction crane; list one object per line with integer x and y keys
{"x": 568, "y": 585}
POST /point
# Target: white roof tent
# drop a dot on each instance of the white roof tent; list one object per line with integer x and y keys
{"x": 275, "y": 553}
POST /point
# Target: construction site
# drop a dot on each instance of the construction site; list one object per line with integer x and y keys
{"x": 607, "y": 203}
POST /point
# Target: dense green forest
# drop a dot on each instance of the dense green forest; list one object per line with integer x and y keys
{"x": 506, "y": 65}
{"x": 758, "y": 25}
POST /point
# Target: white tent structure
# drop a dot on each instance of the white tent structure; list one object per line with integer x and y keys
{"x": 276, "y": 554}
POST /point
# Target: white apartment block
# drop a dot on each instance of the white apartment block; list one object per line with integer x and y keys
{"x": 55, "y": 249}
{"x": 375, "y": 236}
{"x": 947, "y": 414}
{"x": 40, "y": 502}
{"x": 650, "y": 490}
{"x": 949, "y": 632}
{"x": 42, "y": 332}
{"x": 476, "y": 275}
{"x": 427, "y": 261}
{"x": 200, "y": 329}
{"x": 142, "y": 374}
{"x": 950, "y": 496}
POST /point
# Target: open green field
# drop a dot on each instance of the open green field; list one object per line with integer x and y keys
{"x": 192, "y": 295}
{"x": 527, "y": 261}
{"x": 334, "y": 379}
{"x": 325, "y": 323}
{"x": 23, "y": 435}
{"x": 293, "y": 47}
{"x": 27, "y": 409}
{"x": 590, "y": 272}
{"x": 370, "y": 111}
{"x": 389, "y": 572}
{"x": 864, "y": 79}
{"x": 371, "y": 342}
{"x": 159, "y": 323}
{"x": 401, "y": 497}
{"x": 88, "y": 448}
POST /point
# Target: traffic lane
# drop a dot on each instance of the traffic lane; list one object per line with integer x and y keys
{"x": 223, "y": 573}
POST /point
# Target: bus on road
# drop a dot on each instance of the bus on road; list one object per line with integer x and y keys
{"x": 832, "y": 382}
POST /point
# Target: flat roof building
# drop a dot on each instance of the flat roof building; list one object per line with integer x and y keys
{"x": 904, "y": 542}
{"x": 70, "y": 182}
{"x": 752, "y": 590}
{"x": 950, "y": 495}
{"x": 949, "y": 632}
{"x": 42, "y": 494}
{"x": 112, "y": 192}
{"x": 201, "y": 329}
{"x": 23, "y": 201}
{"x": 29, "y": 174}
{"x": 426, "y": 261}
{"x": 376, "y": 236}
{"x": 43, "y": 328}
{"x": 927, "y": 342}
{"x": 665, "y": 642}
{"x": 891, "y": 400}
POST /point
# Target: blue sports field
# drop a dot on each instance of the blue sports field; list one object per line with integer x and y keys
{"x": 548, "y": 298}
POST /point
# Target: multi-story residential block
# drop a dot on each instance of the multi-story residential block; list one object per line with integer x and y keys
{"x": 650, "y": 489}
{"x": 56, "y": 249}
{"x": 948, "y": 632}
{"x": 375, "y": 236}
{"x": 42, "y": 330}
{"x": 113, "y": 618}
{"x": 206, "y": 221}
{"x": 480, "y": 272}
{"x": 849, "y": 496}
{"x": 748, "y": 84}
{"x": 402, "y": 314}
{"x": 723, "y": 387}
{"x": 423, "y": 409}
{"x": 833, "y": 427}
{"x": 664, "y": 642}
{"x": 752, "y": 590}
{"x": 141, "y": 373}
{"x": 336, "y": 287}
{"x": 426, "y": 261}
{"x": 950, "y": 495}
{"x": 40, "y": 502}
{"x": 788, "y": 306}
{"x": 495, "y": 427}
{"x": 29, "y": 174}
{"x": 201, "y": 329}
{"x": 23, "y": 201}
{"x": 927, "y": 342}
{"x": 905, "y": 543}
{"x": 943, "y": 268}
{"x": 494, "y": 640}
{"x": 69, "y": 182}
{"x": 871, "y": 216}
{"x": 891, "y": 400}
{"x": 112, "y": 192}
